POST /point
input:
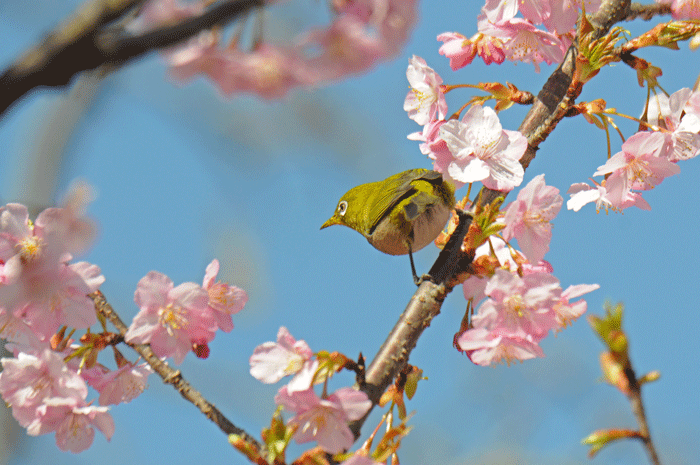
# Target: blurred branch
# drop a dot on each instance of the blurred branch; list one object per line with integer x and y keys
{"x": 174, "y": 377}
{"x": 618, "y": 371}
{"x": 85, "y": 42}
{"x": 545, "y": 114}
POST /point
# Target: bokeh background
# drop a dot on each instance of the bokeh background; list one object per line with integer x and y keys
{"x": 184, "y": 175}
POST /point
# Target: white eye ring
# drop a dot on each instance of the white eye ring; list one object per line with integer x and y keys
{"x": 342, "y": 207}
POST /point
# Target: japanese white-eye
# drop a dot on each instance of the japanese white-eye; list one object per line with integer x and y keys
{"x": 399, "y": 215}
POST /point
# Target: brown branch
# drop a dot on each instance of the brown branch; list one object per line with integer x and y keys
{"x": 85, "y": 42}
{"x": 648, "y": 12}
{"x": 174, "y": 377}
{"x": 545, "y": 114}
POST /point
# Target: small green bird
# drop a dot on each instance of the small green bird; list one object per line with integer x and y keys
{"x": 399, "y": 215}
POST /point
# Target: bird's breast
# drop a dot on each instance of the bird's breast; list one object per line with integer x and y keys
{"x": 392, "y": 235}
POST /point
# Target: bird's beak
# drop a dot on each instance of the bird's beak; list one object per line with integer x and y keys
{"x": 330, "y": 222}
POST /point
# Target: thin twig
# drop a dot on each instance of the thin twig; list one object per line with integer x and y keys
{"x": 174, "y": 377}
{"x": 635, "y": 398}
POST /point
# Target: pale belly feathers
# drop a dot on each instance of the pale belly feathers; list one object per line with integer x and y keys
{"x": 389, "y": 239}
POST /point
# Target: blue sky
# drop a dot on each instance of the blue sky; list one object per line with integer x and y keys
{"x": 184, "y": 175}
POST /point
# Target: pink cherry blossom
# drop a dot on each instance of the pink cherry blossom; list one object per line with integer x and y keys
{"x": 564, "y": 14}
{"x": 518, "y": 314}
{"x": 682, "y": 142}
{"x": 461, "y": 51}
{"x": 495, "y": 11}
{"x": 425, "y": 101}
{"x": 524, "y": 42}
{"x": 171, "y": 318}
{"x": 324, "y": 420}
{"x": 345, "y": 47}
{"x": 519, "y": 304}
{"x": 528, "y": 218}
{"x": 73, "y": 422}
{"x": 433, "y": 146}
{"x": 59, "y": 296}
{"x": 123, "y": 384}
{"x": 484, "y": 347}
{"x": 272, "y": 361}
{"x": 395, "y": 23}
{"x": 28, "y": 380}
{"x": 566, "y": 311}
{"x": 637, "y": 167}
{"x": 683, "y": 9}
{"x": 483, "y": 151}
{"x": 38, "y": 285}
{"x": 582, "y": 193}
{"x": 268, "y": 71}
{"x": 224, "y": 299}
{"x": 535, "y": 11}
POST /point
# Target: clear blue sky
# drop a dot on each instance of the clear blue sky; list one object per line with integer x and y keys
{"x": 184, "y": 176}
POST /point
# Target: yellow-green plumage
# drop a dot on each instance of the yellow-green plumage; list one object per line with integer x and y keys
{"x": 400, "y": 214}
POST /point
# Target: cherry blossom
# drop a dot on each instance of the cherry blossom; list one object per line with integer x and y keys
{"x": 123, "y": 384}
{"x": 345, "y": 47}
{"x": 272, "y": 361}
{"x": 678, "y": 115}
{"x": 461, "y": 51}
{"x": 525, "y": 42}
{"x": 73, "y": 422}
{"x": 483, "y": 151}
{"x": 224, "y": 299}
{"x": 171, "y": 318}
{"x": 28, "y": 380}
{"x": 565, "y": 311}
{"x": 528, "y": 218}
{"x": 638, "y": 166}
{"x": 564, "y": 14}
{"x": 582, "y": 193}
{"x": 484, "y": 347}
{"x": 518, "y": 313}
{"x": 324, "y": 420}
{"x": 425, "y": 101}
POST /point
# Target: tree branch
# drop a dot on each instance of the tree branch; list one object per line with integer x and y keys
{"x": 85, "y": 42}
{"x": 174, "y": 377}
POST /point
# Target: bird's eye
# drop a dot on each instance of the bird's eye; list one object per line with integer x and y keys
{"x": 342, "y": 207}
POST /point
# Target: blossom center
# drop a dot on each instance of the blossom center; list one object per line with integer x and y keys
{"x": 515, "y": 305}
{"x": 171, "y": 317}
{"x": 30, "y": 248}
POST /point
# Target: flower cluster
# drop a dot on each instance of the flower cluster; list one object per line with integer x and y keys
{"x": 520, "y": 299}
{"x": 361, "y": 34}
{"x": 322, "y": 419}
{"x": 647, "y": 157}
{"x": 42, "y": 295}
{"x": 41, "y": 292}
{"x": 501, "y": 35}
{"x": 177, "y": 319}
